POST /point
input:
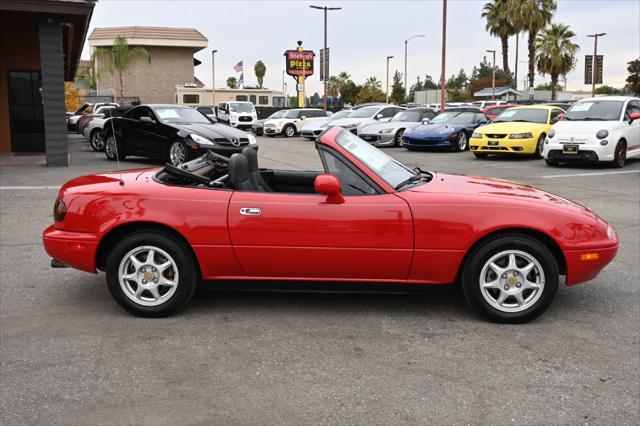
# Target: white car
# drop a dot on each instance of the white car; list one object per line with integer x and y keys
{"x": 292, "y": 121}
{"x": 314, "y": 128}
{"x": 602, "y": 129}
{"x": 366, "y": 115}
{"x": 237, "y": 114}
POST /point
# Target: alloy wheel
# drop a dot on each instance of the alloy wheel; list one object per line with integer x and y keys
{"x": 289, "y": 131}
{"x": 512, "y": 281}
{"x": 398, "y": 138}
{"x": 620, "y": 155}
{"x": 462, "y": 141}
{"x": 110, "y": 148}
{"x": 148, "y": 275}
{"x": 96, "y": 141}
{"x": 177, "y": 153}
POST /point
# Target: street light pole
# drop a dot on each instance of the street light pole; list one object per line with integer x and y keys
{"x": 325, "y": 70}
{"x": 493, "y": 76}
{"x": 388, "y": 57}
{"x": 213, "y": 78}
{"x": 594, "y": 61}
{"x": 406, "y": 90}
{"x": 443, "y": 88}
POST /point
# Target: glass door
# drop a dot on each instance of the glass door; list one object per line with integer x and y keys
{"x": 25, "y": 106}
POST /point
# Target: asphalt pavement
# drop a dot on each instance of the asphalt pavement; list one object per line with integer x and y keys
{"x": 69, "y": 355}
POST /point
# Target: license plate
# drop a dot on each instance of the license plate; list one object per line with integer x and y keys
{"x": 570, "y": 149}
{"x": 493, "y": 143}
{"x": 367, "y": 137}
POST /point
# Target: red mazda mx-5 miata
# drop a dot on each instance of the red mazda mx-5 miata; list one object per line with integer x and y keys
{"x": 365, "y": 218}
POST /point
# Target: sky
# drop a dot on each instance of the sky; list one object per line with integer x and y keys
{"x": 364, "y": 33}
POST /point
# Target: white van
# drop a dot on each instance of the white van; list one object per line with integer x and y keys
{"x": 237, "y": 114}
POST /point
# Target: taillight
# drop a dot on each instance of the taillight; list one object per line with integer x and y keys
{"x": 59, "y": 210}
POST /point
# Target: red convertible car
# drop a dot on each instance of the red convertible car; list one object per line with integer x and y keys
{"x": 366, "y": 218}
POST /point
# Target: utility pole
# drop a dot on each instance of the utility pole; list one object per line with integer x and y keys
{"x": 388, "y": 57}
{"x": 406, "y": 90}
{"x": 493, "y": 76}
{"x": 213, "y": 78}
{"x": 443, "y": 79}
{"x": 594, "y": 61}
{"x": 326, "y": 52}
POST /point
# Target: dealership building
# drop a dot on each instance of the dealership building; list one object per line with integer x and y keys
{"x": 40, "y": 46}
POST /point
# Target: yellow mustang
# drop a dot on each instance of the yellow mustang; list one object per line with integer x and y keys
{"x": 517, "y": 130}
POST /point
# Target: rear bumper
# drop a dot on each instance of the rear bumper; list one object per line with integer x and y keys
{"x": 579, "y": 270}
{"x": 74, "y": 249}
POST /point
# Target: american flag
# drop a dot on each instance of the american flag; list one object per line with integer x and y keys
{"x": 238, "y": 67}
{"x": 241, "y": 81}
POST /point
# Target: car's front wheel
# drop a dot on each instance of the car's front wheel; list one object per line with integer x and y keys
{"x": 112, "y": 149}
{"x": 539, "y": 147}
{"x": 397, "y": 139}
{"x": 511, "y": 278}
{"x": 619, "y": 155}
{"x": 289, "y": 130}
{"x": 96, "y": 141}
{"x": 151, "y": 274}
{"x": 178, "y": 153}
{"x": 461, "y": 142}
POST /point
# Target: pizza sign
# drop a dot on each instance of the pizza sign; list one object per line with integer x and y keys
{"x": 299, "y": 62}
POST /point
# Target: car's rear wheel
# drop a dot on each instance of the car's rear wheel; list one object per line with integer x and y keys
{"x": 178, "y": 153}
{"x": 113, "y": 150}
{"x": 620, "y": 155}
{"x": 511, "y": 278}
{"x": 539, "y": 147}
{"x": 289, "y": 130}
{"x": 480, "y": 155}
{"x": 151, "y": 274}
{"x": 96, "y": 141}
{"x": 461, "y": 142}
{"x": 397, "y": 139}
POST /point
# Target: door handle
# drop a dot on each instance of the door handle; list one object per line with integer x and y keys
{"x": 250, "y": 211}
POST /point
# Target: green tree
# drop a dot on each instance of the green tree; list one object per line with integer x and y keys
{"x": 89, "y": 77}
{"x": 543, "y": 86}
{"x": 333, "y": 86}
{"x": 349, "y": 93}
{"x": 485, "y": 69}
{"x": 533, "y": 16}
{"x": 633, "y": 80}
{"x": 429, "y": 84}
{"x": 232, "y": 83}
{"x": 119, "y": 57}
{"x": 260, "y": 69}
{"x": 397, "y": 89}
{"x": 556, "y": 53}
{"x": 499, "y": 24}
{"x": 371, "y": 91}
{"x": 608, "y": 90}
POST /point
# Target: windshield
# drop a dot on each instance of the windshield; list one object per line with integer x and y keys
{"x": 277, "y": 114}
{"x": 242, "y": 107}
{"x": 529, "y": 115}
{"x": 180, "y": 115}
{"x": 293, "y": 113}
{"x": 595, "y": 110}
{"x": 341, "y": 114}
{"x": 413, "y": 116}
{"x": 383, "y": 165}
{"x": 454, "y": 117}
{"x": 366, "y": 112}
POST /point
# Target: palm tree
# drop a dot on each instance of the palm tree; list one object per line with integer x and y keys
{"x": 373, "y": 83}
{"x": 534, "y": 15}
{"x": 556, "y": 53}
{"x": 89, "y": 77}
{"x": 333, "y": 86}
{"x": 119, "y": 57}
{"x": 232, "y": 83}
{"x": 260, "y": 69}
{"x": 499, "y": 25}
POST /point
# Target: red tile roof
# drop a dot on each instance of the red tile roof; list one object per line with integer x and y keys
{"x": 161, "y": 33}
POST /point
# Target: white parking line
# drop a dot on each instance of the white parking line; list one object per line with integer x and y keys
{"x": 590, "y": 174}
{"x": 9, "y": 188}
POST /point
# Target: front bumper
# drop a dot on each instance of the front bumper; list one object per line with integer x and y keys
{"x": 587, "y": 152}
{"x": 272, "y": 130}
{"x": 378, "y": 139}
{"x": 74, "y": 249}
{"x": 580, "y": 270}
{"x": 427, "y": 142}
{"x": 504, "y": 145}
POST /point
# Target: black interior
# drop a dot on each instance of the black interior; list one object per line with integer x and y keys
{"x": 291, "y": 181}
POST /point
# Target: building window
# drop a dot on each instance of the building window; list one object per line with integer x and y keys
{"x": 252, "y": 99}
{"x": 263, "y": 100}
{"x": 191, "y": 99}
{"x": 278, "y": 101}
{"x": 241, "y": 98}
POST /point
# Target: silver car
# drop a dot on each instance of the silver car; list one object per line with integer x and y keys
{"x": 313, "y": 129}
{"x": 390, "y": 132}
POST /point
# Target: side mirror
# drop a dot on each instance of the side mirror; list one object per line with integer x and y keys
{"x": 481, "y": 122}
{"x": 426, "y": 120}
{"x": 329, "y": 185}
{"x": 303, "y": 117}
{"x": 560, "y": 117}
{"x": 634, "y": 116}
{"x": 378, "y": 116}
{"x": 147, "y": 120}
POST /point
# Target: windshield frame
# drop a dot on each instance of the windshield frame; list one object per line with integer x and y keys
{"x": 516, "y": 110}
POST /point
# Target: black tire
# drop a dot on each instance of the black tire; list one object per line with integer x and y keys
{"x": 180, "y": 146}
{"x": 620, "y": 155}
{"x": 289, "y": 131}
{"x": 539, "y": 146}
{"x": 112, "y": 146}
{"x": 462, "y": 142}
{"x": 410, "y": 148}
{"x": 181, "y": 254}
{"x": 552, "y": 163}
{"x": 481, "y": 254}
{"x": 397, "y": 138}
{"x": 480, "y": 155}
{"x": 96, "y": 141}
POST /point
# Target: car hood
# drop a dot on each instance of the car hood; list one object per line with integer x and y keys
{"x": 518, "y": 127}
{"x": 317, "y": 123}
{"x": 341, "y": 122}
{"x": 590, "y": 128}
{"x": 395, "y": 125}
{"x": 436, "y": 129}
{"x": 211, "y": 131}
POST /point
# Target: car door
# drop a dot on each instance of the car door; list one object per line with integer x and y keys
{"x": 367, "y": 237}
{"x": 154, "y": 136}
{"x": 633, "y": 140}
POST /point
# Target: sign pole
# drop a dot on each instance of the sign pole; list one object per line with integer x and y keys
{"x": 301, "y": 77}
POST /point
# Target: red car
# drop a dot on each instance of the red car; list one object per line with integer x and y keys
{"x": 495, "y": 110}
{"x": 366, "y": 218}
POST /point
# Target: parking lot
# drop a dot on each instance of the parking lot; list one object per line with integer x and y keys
{"x": 70, "y": 355}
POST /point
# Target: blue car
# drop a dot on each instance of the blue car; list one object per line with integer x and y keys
{"x": 450, "y": 129}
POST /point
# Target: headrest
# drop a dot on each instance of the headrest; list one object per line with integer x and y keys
{"x": 238, "y": 169}
{"x": 252, "y": 158}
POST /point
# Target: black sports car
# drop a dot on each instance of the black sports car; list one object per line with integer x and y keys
{"x": 170, "y": 133}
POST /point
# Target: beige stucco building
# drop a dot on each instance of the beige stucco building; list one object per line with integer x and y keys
{"x": 172, "y": 62}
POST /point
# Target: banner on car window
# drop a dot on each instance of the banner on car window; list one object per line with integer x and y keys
{"x": 299, "y": 62}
